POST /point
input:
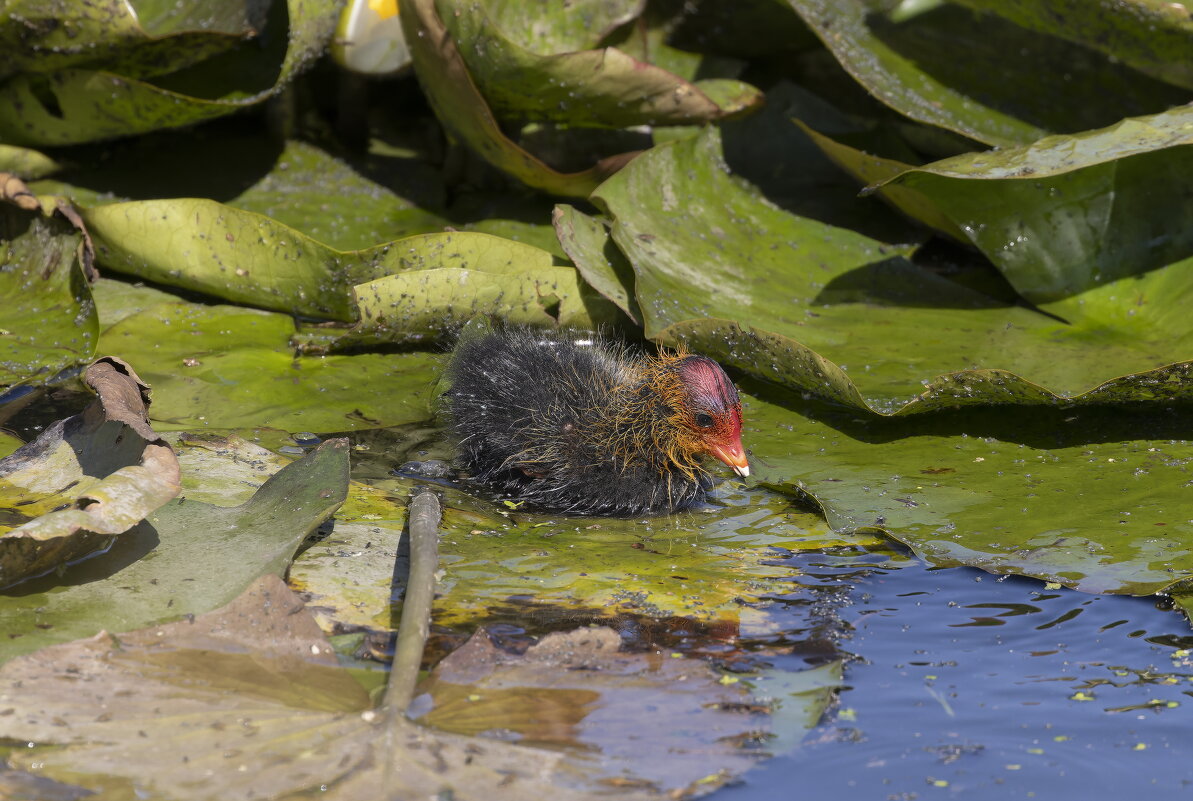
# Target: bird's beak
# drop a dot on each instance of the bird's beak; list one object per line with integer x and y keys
{"x": 734, "y": 456}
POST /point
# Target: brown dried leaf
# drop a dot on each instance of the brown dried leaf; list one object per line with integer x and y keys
{"x": 86, "y": 478}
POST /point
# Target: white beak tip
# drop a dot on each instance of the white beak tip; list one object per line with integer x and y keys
{"x": 744, "y": 472}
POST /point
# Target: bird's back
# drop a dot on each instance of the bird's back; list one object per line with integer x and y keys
{"x": 532, "y": 413}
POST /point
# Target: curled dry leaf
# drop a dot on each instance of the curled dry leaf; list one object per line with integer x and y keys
{"x": 85, "y": 479}
{"x": 13, "y": 190}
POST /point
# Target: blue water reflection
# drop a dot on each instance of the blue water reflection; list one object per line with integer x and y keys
{"x": 969, "y": 685}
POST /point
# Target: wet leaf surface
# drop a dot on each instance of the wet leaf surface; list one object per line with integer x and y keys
{"x": 372, "y": 219}
{"x": 77, "y": 103}
{"x": 225, "y": 367}
{"x": 1066, "y": 213}
{"x": 186, "y": 558}
{"x": 1152, "y": 37}
{"x": 49, "y": 322}
{"x": 597, "y": 259}
{"x": 463, "y": 109}
{"x": 828, "y": 311}
{"x": 948, "y": 67}
{"x": 84, "y": 480}
{"x": 1091, "y": 498}
{"x": 579, "y": 87}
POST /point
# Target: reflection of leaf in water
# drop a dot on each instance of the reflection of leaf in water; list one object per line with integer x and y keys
{"x": 650, "y": 717}
{"x": 157, "y": 716}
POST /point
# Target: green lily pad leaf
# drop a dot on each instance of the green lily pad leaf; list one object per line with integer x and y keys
{"x": 347, "y": 577}
{"x": 327, "y": 200}
{"x": 1090, "y": 498}
{"x": 49, "y": 322}
{"x": 871, "y": 169}
{"x": 223, "y": 470}
{"x": 578, "y": 690}
{"x": 604, "y": 268}
{"x": 138, "y": 41}
{"x": 702, "y": 571}
{"x": 188, "y": 557}
{"x": 604, "y": 88}
{"x": 426, "y": 304}
{"x": 225, "y": 367}
{"x": 205, "y": 246}
{"x": 582, "y": 25}
{"x": 830, "y": 312}
{"x": 9, "y": 443}
{"x": 26, "y": 163}
{"x": 649, "y": 39}
{"x": 949, "y": 67}
{"x": 79, "y": 104}
{"x": 1067, "y": 212}
{"x": 85, "y": 479}
{"x": 701, "y": 566}
{"x": 1153, "y": 37}
{"x": 254, "y": 688}
{"x": 248, "y": 258}
{"x": 462, "y": 108}
{"x": 432, "y": 284}
{"x": 116, "y": 299}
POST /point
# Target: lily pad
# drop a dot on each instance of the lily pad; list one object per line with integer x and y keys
{"x": 205, "y": 246}
{"x": 1153, "y": 37}
{"x": 462, "y": 108}
{"x": 581, "y": 25}
{"x": 82, "y": 104}
{"x": 949, "y": 67}
{"x": 597, "y": 258}
{"x": 1065, "y": 213}
{"x": 830, "y": 312}
{"x": 1091, "y": 498}
{"x": 145, "y": 40}
{"x": 26, "y": 163}
{"x": 590, "y": 87}
{"x": 225, "y": 367}
{"x": 188, "y": 557}
{"x": 322, "y": 196}
{"x": 426, "y": 304}
{"x": 9, "y": 443}
{"x": 85, "y": 479}
{"x": 249, "y": 258}
{"x": 49, "y": 322}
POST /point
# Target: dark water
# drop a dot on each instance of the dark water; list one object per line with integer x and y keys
{"x": 970, "y": 686}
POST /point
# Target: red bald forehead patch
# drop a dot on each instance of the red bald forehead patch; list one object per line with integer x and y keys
{"x": 708, "y": 383}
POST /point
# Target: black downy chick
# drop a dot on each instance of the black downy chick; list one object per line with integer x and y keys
{"x": 571, "y": 423}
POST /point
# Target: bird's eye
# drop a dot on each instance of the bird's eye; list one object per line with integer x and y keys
{"x": 704, "y": 420}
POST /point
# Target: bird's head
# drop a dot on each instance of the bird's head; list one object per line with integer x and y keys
{"x": 707, "y": 410}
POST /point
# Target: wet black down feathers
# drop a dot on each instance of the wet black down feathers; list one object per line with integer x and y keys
{"x": 531, "y": 415}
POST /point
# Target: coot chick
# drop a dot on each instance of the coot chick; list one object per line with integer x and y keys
{"x": 571, "y": 423}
